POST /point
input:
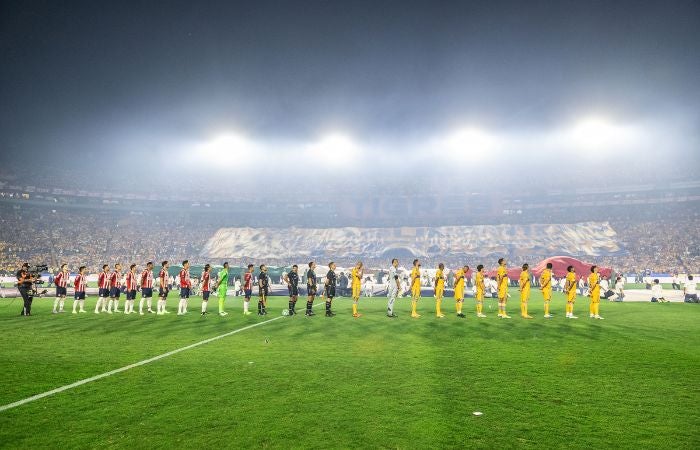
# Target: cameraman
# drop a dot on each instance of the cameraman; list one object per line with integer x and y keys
{"x": 24, "y": 285}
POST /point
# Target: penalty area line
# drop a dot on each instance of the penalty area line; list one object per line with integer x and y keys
{"x": 130, "y": 366}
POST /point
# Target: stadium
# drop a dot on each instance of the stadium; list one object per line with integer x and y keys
{"x": 320, "y": 237}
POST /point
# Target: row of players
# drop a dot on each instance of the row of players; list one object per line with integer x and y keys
{"x": 109, "y": 284}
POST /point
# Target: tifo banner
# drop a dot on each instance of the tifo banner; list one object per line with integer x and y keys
{"x": 589, "y": 238}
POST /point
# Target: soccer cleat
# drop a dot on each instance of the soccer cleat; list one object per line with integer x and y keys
{"x": 223, "y": 313}
{"x": 573, "y": 317}
{"x": 547, "y": 316}
{"x": 392, "y": 315}
{"x": 330, "y": 314}
{"x": 505, "y": 316}
{"x": 310, "y": 313}
{"x": 598, "y": 317}
{"x": 150, "y": 311}
{"x": 160, "y": 313}
{"x": 591, "y": 315}
{"x": 54, "y": 312}
{"x": 461, "y": 315}
{"x": 480, "y": 315}
{"x": 356, "y": 315}
{"x": 75, "y": 312}
{"x": 526, "y": 317}
{"x": 415, "y": 315}
{"x": 141, "y": 314}
{"x": 439, "y": 316}
{"x": 82, "y": 311}
{"x": 247, "y": 313}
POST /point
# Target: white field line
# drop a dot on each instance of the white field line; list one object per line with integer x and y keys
{"x": 130, "y": 366}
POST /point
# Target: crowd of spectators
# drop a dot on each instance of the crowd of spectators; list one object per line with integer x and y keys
{"x": 667, "y": 241}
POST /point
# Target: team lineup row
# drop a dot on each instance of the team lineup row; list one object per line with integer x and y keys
{"x": 110, "y": 288}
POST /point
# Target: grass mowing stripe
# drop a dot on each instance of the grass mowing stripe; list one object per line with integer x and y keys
{"x": 130, "y": 366}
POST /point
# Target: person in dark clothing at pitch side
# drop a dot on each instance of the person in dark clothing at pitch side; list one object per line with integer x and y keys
{"x": 330, "y": 288}
{"x": 24, "y": 285}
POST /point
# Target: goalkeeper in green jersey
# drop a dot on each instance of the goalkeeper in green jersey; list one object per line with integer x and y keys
{"x": 221, "y": 287}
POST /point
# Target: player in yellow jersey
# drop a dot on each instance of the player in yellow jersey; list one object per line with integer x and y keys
{"x": 479, "y": 289}
{"x": 594, "y": 292}
{"x": 502, "y": 283}
{"x": 570, "y": 292}
{"x": 415, "y": 288}
{"x": 357, "y": 273}
{"x": 524, "y": 283}
{"x": 546, "y": 287}
{"x": 460, "y": 276}
{"x": 439, "y": 289}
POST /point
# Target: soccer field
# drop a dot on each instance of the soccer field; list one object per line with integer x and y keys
{"x": 630, "y": 381}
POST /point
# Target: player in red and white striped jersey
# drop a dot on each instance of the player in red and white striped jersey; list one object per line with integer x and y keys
{"x": 102, "y": 289}
{"x": 61, "y": 282}
{"x": 163, "y": 290}
{"x": 206, "y": 282}
{"x": 115, "y": 283}
{"x": 80, "y": 283}
{"x": 185, "y": 287}
{"x": 146, "y": 287}
{"x": 131, "y": 288}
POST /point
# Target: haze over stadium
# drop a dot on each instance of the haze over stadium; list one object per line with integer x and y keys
{"x": 279, "y": 132}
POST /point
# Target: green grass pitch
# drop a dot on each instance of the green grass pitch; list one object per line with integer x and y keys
{"x": 630, "y": 381}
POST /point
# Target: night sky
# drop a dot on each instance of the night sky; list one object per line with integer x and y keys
{"x": 86, "y": 82}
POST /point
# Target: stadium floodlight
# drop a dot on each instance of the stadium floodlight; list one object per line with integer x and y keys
{"x": 597, "y": 134}
{"x": 335, "y": 149}
{"x": 225, "y": 150}
{"x": 469, "y": 143}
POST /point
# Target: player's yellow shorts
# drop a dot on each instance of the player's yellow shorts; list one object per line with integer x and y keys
{"x": 415, "y": 291}
{"x": 547, "y": 294}
{"x": 479, "y": 295}
{"x": 595, "y": 298}
{"x": 571, "y": 297}
{"x": 524, "y": 296}
{"x": 459, "y": 293}
{"x": 439, "y": 292}
{"x": 356, "y": 290}
{"x": 502, "y": 293}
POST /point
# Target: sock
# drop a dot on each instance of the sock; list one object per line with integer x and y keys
{"x": 148, "y": 303}
{"x": 546, "y": 308}
{"x": 82, "y": 305}
{"x": 246, "y": 303}
{"x": 98, "y": 304}
{"x": 141, "y": 305}
{"x": 390, "y": 306}
{"x": 259, "y": 306}
{"x": 354, "y": 308}
{"x": 437, "y": 306}
{"x": 186, "y": 303}
{"x": 328, "y": 306}
{"x": 309, "y": 305}
{"x": 291, "y": 306}
{"x": 525, "y": 309}
{"x": 221, "y": 305}
{"x": 414, "y": 306}
{"x": 504, "y": 309}
{"x": 61, "y": 303}
{"x": 179, "y": 306}
{"x": 110, "y": 304}
{"x": 55, "y": 304}
{"x": 596, "y": 309}
{"x": 459, "y": 307}
{"x": 204, "y": 306}
{"x": 75, "y": 304}
{"x": 591, "y": 308}
{"x": 294, "y": 306}
{"x": 116, "y": 305}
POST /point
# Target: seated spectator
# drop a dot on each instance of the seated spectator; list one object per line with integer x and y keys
{"x": 690, "y": 291}
{"x": 657, "y": 292}
{"x": 605, "y": 288}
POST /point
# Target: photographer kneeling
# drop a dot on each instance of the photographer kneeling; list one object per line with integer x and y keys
{"x": 24, "y": 285}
